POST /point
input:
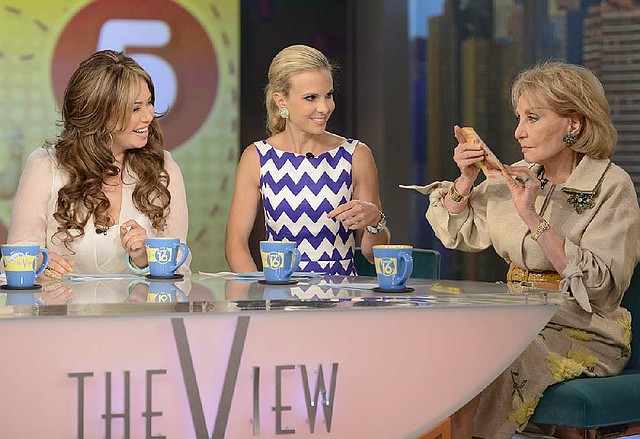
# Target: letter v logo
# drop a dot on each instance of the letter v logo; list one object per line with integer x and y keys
{"x": 191, "y": 384}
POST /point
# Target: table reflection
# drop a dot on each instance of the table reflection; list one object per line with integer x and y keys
{"x": 200, "y": 293}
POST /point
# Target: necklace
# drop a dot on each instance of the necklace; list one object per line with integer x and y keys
{"x": 543, "y": 181}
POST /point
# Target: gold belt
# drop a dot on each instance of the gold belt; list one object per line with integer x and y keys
{"x": 545, "y": 280}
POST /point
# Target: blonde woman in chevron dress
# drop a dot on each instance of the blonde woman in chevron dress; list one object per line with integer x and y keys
{"x": 318, "y": 189}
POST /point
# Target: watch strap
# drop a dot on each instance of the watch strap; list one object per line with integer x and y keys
{"x": 382, "y": 224}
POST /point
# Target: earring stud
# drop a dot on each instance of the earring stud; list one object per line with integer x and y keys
{"x": 569, "y": 139}
{"x": 284, "y": 112}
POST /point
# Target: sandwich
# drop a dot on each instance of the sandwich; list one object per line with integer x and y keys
{"x": 490, "y": 164}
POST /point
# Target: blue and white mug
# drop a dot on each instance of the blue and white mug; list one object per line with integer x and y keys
{"x": 279, "y": 260}
{"x": 394, "y": 265}
{"x": 165, "y": 292}
{"x": 162, "y": 256}
{"x": 20, "y": 264}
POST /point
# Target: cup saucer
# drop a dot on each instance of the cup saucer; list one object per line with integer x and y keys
{"x": 284, "y": 282}
{"x": 32, "y": 287}
{"x": 172, "y": 277}
{"x": 390, "y": 290}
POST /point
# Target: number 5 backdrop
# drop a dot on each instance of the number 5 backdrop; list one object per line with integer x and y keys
{"x": 191, "y": 50}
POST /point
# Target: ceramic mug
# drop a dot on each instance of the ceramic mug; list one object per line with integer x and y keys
{"x": 20, "y": 261}
{"x": 21, "y": 299}
{"x": 162, "y": 256}
{"x": 164, "y": 292}
{"x": 279, "y": 260}
{"x": 394, "y": 264}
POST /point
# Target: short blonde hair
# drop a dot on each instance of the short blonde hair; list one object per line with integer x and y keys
{"x": 572, "y": 90}
{"x": 288, "y": 62}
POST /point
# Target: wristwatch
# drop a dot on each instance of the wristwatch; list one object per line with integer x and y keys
{"x": 382, "y": 224}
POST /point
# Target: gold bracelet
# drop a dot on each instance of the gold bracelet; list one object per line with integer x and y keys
{"x": 52, "y": 273}
{"x": 542, "y": 227}
{"x": 455, "y": 195}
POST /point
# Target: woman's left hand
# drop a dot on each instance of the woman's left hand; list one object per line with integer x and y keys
{"x": 524, "y": 187}
{"x": 356, "y": 214}
{"x": 56, "y": 293}
{"x": 132, "y": 239}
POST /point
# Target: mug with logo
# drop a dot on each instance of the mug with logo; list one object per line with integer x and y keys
{"x": 20, "y": 265}
{"x": 279, "y": 260}
{"x": 21, "y": 299}
{"x": 162, "y": 255}
{"x": 165, "y": 292}
{"x": 394, "y": 264}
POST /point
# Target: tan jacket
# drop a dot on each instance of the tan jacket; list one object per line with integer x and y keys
{"x": 596, "y": 210}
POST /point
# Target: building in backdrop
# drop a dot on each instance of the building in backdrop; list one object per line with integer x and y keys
{"x": 611, "y": 42}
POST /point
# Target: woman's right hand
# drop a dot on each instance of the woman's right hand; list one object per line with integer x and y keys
{"x": 58, "y": 266}
{"x": 132, "y": 239}
{"x": 467, "y": 156}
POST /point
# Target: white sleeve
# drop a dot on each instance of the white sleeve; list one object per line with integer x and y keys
{"x": 30, "y": 213}
{"x": 178, "y": 218}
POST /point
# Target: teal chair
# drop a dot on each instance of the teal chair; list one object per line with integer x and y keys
{"x": 426, "y": 264}
{"x": 607, "y": 404}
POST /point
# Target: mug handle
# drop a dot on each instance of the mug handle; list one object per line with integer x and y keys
{"x": 185, "y": 253}
{"x": 408, "y": 269}
{"x": 294, "y": 263}
{"x": 133, "y": 283}
{"x": 181, "y": 294}
{"x": 45, "y": 261}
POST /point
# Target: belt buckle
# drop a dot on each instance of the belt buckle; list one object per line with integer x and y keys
{"x": 517, "y": 274}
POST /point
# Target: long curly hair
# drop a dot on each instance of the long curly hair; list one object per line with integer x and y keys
{"x": 98, "y": 101}
{"x": 289, "y": 61}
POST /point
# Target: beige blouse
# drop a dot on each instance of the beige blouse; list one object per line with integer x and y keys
{"x": 596, "y": 210}
{"x": 35, "y": 202}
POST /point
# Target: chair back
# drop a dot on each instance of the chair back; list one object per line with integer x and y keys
{"x": 426, "y": 264}
{"x": 631, "y": 301}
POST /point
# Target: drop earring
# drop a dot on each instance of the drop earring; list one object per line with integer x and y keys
{"x": 569, "y": 139}
{"x": 284, "y": 112}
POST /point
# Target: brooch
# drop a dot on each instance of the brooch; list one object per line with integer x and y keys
{"x": 581, "y": 201}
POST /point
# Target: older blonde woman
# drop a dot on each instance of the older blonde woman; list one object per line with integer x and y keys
{"x": 564, "y": 217}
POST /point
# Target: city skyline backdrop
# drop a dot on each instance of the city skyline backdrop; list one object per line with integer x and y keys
{"x": 463, "y": 69}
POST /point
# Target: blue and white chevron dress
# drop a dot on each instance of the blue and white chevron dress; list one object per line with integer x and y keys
{"x": 297, "y": 193}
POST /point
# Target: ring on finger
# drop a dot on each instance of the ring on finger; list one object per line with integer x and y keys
{"x": 52, "y": 273}
{"x": 50, "y": 287}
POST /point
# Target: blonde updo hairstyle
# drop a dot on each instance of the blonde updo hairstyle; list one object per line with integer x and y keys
{"x": 570, "y": 90}
{"x": 288, "y": 62}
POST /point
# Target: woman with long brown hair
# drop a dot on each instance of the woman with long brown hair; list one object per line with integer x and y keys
{"x": 95, "y": 194}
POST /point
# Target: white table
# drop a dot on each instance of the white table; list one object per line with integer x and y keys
{"x": 224, "y": 358}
